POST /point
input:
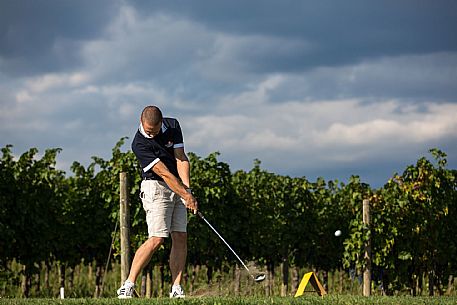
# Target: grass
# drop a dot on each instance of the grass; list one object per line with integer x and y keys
{"x": 308, "y": 300}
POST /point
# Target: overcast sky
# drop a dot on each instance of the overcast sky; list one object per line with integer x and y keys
{"x": 311, "y": 88}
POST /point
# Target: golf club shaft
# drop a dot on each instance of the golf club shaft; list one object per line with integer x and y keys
{"x": 203, "y": 217}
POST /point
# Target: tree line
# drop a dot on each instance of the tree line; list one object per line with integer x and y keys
{"x": 280, "y": 223}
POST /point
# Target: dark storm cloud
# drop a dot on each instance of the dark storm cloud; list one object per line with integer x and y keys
{"x": 420, "y": 78}
{"x": 45, "y": 36}
{"x": 332, "y": 33}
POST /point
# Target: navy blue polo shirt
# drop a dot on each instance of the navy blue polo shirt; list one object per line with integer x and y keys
{"x": 149, "y": 150}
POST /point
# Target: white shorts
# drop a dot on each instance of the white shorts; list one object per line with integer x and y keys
{"x": 165, "y": 211}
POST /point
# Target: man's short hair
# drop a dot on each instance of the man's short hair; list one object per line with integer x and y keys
{"x": 152, "y": 115}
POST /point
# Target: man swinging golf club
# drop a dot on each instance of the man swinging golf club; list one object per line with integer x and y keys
{"x": 159, "y": 147}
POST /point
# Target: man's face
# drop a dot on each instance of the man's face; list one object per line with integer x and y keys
{"x": 151, "y": 130}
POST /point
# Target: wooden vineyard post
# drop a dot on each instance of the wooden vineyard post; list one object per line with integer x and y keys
{"x": 125, "y": 227}
{"x": 367, "y": 256}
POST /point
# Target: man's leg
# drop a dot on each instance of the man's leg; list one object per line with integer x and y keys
{"x": 178, "y": 256}
{"x": 143, "y": 256}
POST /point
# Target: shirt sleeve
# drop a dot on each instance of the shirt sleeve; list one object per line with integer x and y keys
{"x": 146, "y": 156}
{"x": 177, "y": 136}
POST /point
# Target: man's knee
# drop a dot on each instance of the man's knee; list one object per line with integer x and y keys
{"x": 179, "y": 237}
{"x": 155, "y": 241}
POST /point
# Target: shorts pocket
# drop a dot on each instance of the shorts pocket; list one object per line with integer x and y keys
{"x": 150, "y": 191}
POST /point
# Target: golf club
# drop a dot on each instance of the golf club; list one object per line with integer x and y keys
{"x": 259, "y": 277}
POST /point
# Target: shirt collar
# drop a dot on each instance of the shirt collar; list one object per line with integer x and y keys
{"x": 141, "y": 129}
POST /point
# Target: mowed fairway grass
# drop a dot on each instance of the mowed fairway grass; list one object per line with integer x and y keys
{"x": 327, "y": 300}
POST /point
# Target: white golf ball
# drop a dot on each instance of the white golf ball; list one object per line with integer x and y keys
{"x": 337, "y": 232}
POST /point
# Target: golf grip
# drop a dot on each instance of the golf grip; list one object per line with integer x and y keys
{"x": 203, "y": 217}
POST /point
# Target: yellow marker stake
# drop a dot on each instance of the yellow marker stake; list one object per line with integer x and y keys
{"x": 312, "y": 278}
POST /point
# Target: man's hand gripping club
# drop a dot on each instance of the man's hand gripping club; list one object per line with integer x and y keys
{"x": 190, "y": 201}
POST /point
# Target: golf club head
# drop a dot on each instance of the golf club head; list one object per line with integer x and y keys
{"x": 259, "y": 277}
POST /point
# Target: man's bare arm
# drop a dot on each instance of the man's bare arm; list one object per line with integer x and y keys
{"x": 183, "y": 165}
{"x": 175, "y": 185}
